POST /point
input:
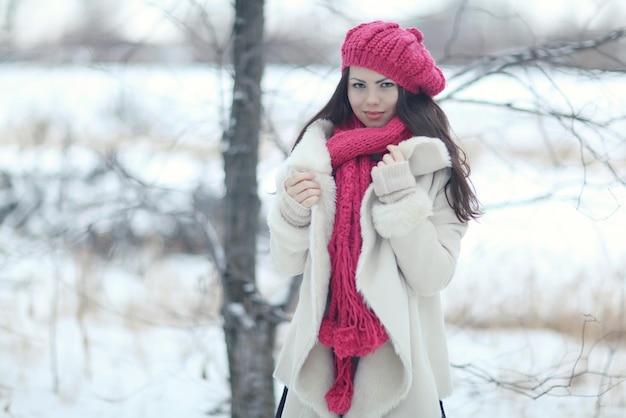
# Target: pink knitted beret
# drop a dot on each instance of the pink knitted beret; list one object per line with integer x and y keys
{"x": 394, "y": 52}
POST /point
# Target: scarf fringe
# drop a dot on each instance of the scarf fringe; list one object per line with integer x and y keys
{"x": 350, "y": 326}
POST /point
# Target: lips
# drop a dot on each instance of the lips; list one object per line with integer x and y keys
{"x": 374, "y": 115}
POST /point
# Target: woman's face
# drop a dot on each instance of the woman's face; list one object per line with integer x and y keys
{"x": 372, "y": 96}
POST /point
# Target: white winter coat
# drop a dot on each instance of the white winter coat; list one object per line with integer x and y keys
{"x": 409, "y": 254}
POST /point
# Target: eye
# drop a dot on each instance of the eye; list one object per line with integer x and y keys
{"x": 387, "y": 84}
{"x": 358, "y": 85}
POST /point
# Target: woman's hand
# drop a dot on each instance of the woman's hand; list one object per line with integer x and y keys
{"x": 302, "y": 187}
{"x": 392, "y": 157}
{"x": 392, "y": 177}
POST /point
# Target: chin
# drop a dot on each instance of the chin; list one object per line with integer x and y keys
{"x": 375, "y": 124}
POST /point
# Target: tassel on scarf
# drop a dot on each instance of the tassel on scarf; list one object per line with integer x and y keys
{"x": 339, "y": 397}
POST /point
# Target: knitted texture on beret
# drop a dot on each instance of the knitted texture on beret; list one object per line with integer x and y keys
{"x": 397, "y": 53}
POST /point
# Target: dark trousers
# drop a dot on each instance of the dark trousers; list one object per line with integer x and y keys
{"x": 281, "y": 405}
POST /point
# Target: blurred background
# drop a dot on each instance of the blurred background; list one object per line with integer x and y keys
{"x": 112, "y": 115}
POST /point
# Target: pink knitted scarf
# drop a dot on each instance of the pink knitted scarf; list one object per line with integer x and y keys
{"x": 349, "y": 326}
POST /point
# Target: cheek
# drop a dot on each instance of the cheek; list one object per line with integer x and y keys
{"x": 392, "y": 105}
{"x": 353, "y": 98}
{"x": 393, "y": 100}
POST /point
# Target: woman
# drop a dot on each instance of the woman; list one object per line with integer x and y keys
{"x": 371, "y": 207}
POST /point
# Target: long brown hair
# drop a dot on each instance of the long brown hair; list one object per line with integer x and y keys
{"x": 423, "y": 116}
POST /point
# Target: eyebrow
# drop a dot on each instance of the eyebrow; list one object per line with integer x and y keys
{"x": 365, "y": 82}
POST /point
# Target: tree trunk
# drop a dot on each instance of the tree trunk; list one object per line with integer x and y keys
{"x": 248, "y": 326}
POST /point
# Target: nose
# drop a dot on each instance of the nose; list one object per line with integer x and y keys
{"x": 372, "y": 97}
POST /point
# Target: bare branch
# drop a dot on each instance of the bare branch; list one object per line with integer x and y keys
{"x": 548, "y": 53}
{"x": 551, "y": 382}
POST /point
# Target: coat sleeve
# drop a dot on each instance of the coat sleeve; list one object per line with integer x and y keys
{"x": 424, "y": 234}
{"x": 289, "y": 244}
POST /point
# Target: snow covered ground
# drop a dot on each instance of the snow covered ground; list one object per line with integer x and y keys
{"x": 536, "y": 312}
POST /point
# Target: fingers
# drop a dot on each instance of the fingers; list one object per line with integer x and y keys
{"x": 310, "y": 201}
{"x": 298, "y": 176}
{"x": 302, "y": 187}
{"x": 393, "y": 156}
{"x": 395, "y": 152}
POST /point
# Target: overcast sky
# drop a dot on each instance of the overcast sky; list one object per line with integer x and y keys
{"x": 38, "y": 20}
